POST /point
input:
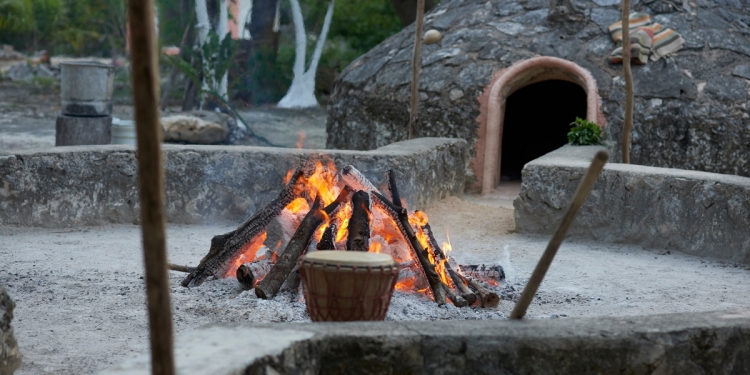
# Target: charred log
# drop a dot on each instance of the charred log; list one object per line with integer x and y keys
{"x": 225, "y": 248}
{"x": 356, "y": 179}
{"x": 245, "y": 277}
{"x": 359, "y": 223}
{"x": 487, "y": 297}
{"x": 492, "y": 272}
{"x": 286, "y": 262}
{"x": 390, "y": 182}
{"x": 248, "y": 273}
{"x": 439, "y": 255}
{"x": 328, "y": 241}
{"x": 401, "y": 218}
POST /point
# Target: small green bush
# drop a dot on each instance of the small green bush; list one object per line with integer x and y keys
{"x": 584, "y": 133}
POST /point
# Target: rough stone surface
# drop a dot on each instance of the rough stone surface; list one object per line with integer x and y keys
{"x": 684, "y": 344}
{"x": 76, "y": 131}
{"x": 701, "y": 124}
{"x": 10, "y": 357}
{"x": 92, "y": 185}
{"x": 700, "y": 213}
{"x": 195, "y": 130}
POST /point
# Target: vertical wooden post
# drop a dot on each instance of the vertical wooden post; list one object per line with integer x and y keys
{"x": 627, "y": 125}
{"x": 145, "y": 83}
{"x": 416, "y": 62}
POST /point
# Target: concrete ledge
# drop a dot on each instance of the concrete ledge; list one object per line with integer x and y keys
{"x": 92, "y": 185}
{"x": 684, "y": 344}
{"x": 700, "y": 213}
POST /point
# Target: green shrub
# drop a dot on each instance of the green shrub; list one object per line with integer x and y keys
{"x": 584, "y": 133}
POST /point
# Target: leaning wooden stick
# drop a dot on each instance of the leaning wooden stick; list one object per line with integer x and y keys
{"x": 415, "y": 63}
{"x": 541, "y": 268}
{"x": 144, "y": 67}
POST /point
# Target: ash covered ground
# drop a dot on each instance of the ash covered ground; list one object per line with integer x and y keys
{"x": 81, "y": 302}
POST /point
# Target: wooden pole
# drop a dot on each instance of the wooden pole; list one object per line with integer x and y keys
{"x": 627, "y": 125}
{"x": 413, "y": 117}
{"x": 145, "y": 83}
{"x": 549, "y": 254}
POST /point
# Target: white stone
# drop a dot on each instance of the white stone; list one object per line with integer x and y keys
{"x": 456, "y": 94}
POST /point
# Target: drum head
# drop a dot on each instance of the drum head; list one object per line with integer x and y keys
{"x": 350, "y": 258}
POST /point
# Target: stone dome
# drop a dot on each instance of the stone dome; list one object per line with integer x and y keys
{"x": 691, "y": 107}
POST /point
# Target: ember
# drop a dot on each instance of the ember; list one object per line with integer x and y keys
{"x": 323, "y": 210}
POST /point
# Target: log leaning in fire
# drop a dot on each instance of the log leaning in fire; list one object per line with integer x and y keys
{"x": 401, "y": 218}
{"x": 359, "y": 223}
{"x": 328, "y": 241}
{"x": 466, "y": 293}
{"x": 486, "y": 296}
{"x": 248, "y": 273}
{"x": 225, "y": 248}
{"x": 286, "y": 262}
{"x": 390, "y": 182}
{"x": 457, "y": 299}
{"x": 356, "y": 179}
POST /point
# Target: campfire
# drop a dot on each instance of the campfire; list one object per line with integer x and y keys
{"x": 322, "y": 209}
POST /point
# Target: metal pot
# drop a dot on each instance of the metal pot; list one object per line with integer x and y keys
{"x": 86, "y": 88}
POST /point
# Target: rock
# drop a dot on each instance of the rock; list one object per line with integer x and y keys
{"x": 203, "y": 127}
{"x": 20, "y": 72}
{"x": 742, "y": 71}
{"x": 432, "y": 36}
{"x": 10, "y": 357}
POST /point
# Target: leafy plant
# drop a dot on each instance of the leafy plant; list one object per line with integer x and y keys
{"x": 584, "y": 133}
{"x": 216, "y": 56}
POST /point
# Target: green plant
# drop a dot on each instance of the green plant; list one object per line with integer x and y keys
{"x": 584, "y": 133}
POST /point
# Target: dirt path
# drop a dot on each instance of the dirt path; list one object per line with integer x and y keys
{"x": 80, "y": 298}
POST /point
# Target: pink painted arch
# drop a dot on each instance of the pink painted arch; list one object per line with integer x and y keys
{"x": 486, "y": 163}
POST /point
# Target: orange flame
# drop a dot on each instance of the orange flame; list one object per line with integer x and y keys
{"x": 247, "y": 254}
{"x": 298, "y": 205}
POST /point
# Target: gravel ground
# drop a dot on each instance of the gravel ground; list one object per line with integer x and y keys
{"x": 81, "y": 303}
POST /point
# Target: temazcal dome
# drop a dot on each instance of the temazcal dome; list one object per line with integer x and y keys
{"x": 550, "y": 60}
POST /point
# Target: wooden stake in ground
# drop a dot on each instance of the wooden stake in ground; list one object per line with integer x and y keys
{"x": 549, "y": 253}
{"x": 145, "y": 82}
{"x": 627, "y": 125}
{"x": 415, "y": 63}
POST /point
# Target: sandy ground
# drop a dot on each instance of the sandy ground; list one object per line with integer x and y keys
{"x": 80, "y": 297}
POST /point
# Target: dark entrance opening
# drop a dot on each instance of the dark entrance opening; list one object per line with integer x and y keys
{"x": 537, "y": 121}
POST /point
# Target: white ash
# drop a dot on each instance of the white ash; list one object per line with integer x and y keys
{"x": 224, "y": 300}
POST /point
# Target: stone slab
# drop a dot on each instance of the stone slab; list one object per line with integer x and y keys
{"x": 93, "y": 185}
{"x": 76, "y": 131}
{"x": 685, "y": 344}
{"x": 699, "y": 213}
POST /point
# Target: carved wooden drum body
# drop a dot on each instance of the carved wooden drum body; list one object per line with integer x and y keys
{"x": 342, "y": 286}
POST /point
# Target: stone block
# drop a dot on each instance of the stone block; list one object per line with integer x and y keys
{"x": 75, "y": 131}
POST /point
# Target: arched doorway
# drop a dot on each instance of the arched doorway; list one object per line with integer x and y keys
{"x": 537, "y": 119}
{"x": 493, "y": 104}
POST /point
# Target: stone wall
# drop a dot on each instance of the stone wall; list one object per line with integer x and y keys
{"x": 92, "y": 185}
{"x": 698, "y": 213}
{"x": 691, "y": 109}
{"x": 674, "y": 344}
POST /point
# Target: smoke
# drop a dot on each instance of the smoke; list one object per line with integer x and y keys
{"x": 510, "y": 272}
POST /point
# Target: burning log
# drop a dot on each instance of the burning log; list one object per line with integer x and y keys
{"x": 492, "y": 272}
{"x": 466, "y": 293}
{"x": 286, "y": 262}
{"x": 390, "y": 182}
{"x": 225, "y": 248}
{"x": 249, "y": 272}
{"x": 487, "y": 297}
{"x": 401, "y": 218}
{"x": 356, "y": 179}
{"x": 328, "y": 241}
{"x": 359, "y": 223}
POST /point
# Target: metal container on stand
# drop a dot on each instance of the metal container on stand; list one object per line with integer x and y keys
{"x": 86, "y": 92}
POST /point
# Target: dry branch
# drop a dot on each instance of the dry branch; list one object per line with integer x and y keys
{"x": 225, "y": 248}
{"x": 415, "y": 64}
{"x": 458, "y": 300}
{"x": 390, "y": 181}
{"x": 359, "y": 223}
{"x": 467, "y": 293}
{"x": 626, "y": 55}
{"x": 401, "y": 218}
{"x": 180, "y": 268}
{"x": 286, "y": 262}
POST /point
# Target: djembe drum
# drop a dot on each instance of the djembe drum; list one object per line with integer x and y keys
{"x": 342, "y": 286}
